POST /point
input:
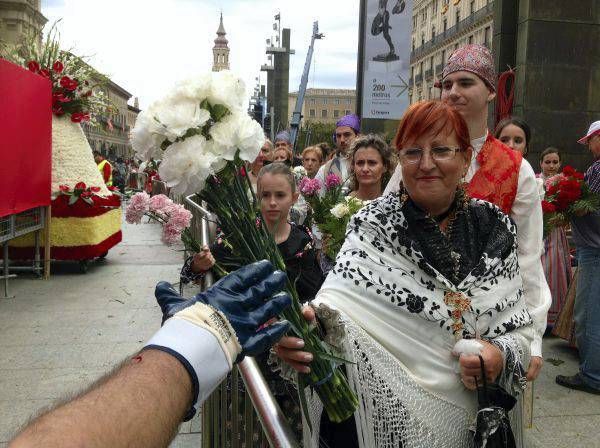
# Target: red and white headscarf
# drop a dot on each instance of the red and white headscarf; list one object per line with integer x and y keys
{"x": 473, "y": 58}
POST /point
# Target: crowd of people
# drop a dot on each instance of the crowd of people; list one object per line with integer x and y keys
{"x": 121, "y": 173}
{"x": 450, "y": 247}
{"x": 431, "y": 181}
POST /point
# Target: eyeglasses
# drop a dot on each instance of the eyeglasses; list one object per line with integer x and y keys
{"x": 410, "y": 156}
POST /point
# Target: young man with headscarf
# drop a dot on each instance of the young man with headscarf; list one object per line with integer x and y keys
{"x": 499, "y": 175}
{"x": 346, "y": 130}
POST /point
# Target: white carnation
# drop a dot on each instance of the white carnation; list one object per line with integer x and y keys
{"x": 227, "y": 89}
{"x": 237, "y": 131}
{"x": 300, "y": 171}
{"x": 145, "y": 138}
{"x": 177, "y": 116}
{"x": 340, "y": 210}
{"x": 186, "y": 165}
{"x": 196, "y": 89}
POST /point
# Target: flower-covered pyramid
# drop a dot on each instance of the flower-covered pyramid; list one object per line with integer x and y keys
{"x": 85, "y": 215}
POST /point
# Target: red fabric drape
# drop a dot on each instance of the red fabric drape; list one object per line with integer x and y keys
{"x": 497, "y": 178}
{"x": 25, "y": 139}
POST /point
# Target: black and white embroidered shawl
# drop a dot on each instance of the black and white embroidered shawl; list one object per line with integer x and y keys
{"x": 390, "y": 282}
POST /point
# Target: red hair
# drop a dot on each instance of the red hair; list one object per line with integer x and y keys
{"x": 431, "y": 117}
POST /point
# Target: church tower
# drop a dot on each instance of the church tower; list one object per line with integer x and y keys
{"x": 221, "y": 50}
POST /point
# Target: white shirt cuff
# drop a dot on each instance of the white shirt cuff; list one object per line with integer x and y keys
{"x": 536, "y": 346}
{"x": 198, "y": 350}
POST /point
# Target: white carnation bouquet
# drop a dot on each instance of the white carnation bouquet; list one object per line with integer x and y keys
{"x": 205, "y": 137}
{"x": 335, "y": 222}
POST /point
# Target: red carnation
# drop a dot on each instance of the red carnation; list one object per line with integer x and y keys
{"x": 58, "y": 110}
{"x": 68, "y": 83}
{"x": 80, "y": 186}
{"x": 33, "y": 66}
{"x": 78, "y": 117}
{"x": 45, "y": 73}
{"x": 64, "y": 188}
{"x": 568, "y": 170}
{"x": 243, "y": 172}
{"x": 548, "y": 207}
{"x": 578, "y": 175}
{"x": 95, "y": 189}
{"x": 60, "y": 98}
{"x": 552, "y": 190}
{"x": 58, "y": 67}
{"x": 64, "y": 81}
{"x": 86, "y": 194}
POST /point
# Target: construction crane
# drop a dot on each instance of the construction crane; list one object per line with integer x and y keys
{"x": 297, "y": 114}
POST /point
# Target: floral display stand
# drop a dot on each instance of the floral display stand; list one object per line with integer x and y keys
{"x": 85, "y": 222}
{"x": 85, "y": 218}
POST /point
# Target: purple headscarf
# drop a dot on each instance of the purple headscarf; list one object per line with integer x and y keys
{"x": 351, "y": 120}
{"x": 283, "y": 136}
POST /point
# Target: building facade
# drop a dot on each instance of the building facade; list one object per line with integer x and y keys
{"x": 110, "y": 134}
{"x": 439, "y": 28}
{"x": 221, "y": 49}
{"x": 324, "y": 105}
{"x": 20, "y": 19}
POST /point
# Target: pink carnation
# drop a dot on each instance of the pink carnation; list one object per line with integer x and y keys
{"x": 308, "y": 186}
{"x": 171, "y": 234}
{"x": 554, "y": 180}
{"x": 159, "y": 202}
{"x": 332, "y": 181}
{"x": 179, "y": 217}
{"x": 138, "y": 205}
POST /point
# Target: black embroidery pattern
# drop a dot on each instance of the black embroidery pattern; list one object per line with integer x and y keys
{"x": 383, "y": 226}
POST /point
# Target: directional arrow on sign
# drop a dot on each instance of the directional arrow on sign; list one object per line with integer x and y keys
{"x": 403, "y": 86}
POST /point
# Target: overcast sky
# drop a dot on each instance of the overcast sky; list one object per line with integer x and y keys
{"x": 147, "y": 45}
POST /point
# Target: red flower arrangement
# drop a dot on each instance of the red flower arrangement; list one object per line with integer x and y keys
{"x": 80, "y": 190}
{"x": 68, "y": 96}
{"x": 74, "y": 82}
{"x": 567, "y": 196}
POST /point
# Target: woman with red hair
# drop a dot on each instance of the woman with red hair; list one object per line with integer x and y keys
{"x": 421, "y": 271}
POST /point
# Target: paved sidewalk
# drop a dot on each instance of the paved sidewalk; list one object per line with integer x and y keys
{"x": 61, "y": 334}
{"x": 562, "y": 418}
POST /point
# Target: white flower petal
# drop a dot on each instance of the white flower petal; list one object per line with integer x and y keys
{"x": 179, "y": 116}
{"x": 227, "y": 89}
{"x": 186, "y": 166}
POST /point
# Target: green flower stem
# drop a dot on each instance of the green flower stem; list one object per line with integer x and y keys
{"x": 231, "y": 198}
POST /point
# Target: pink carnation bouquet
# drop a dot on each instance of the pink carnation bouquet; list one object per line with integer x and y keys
{"x": 174, "y": 218}
{"x": 321, "y": 198}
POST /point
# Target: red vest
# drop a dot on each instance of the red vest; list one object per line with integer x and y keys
{"x": 497, "y": 178}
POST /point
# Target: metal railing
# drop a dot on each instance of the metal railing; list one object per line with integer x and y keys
{"x": 221, "y": 423}
{"x": 14, "y": 226}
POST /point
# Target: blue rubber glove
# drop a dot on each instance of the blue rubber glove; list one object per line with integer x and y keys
{"x": 248, "y": 297}
{"x": 218, "y": 327}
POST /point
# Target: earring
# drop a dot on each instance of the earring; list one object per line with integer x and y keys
{"x": 462, "y": 193}
{"x": 403, "y": 193}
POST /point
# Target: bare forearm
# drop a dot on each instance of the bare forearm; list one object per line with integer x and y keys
{"x": 140, "y": 405}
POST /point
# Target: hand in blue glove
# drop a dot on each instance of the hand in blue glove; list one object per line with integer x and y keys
{"x": 218, "y": 327}
{"x": 244, "y": 297}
